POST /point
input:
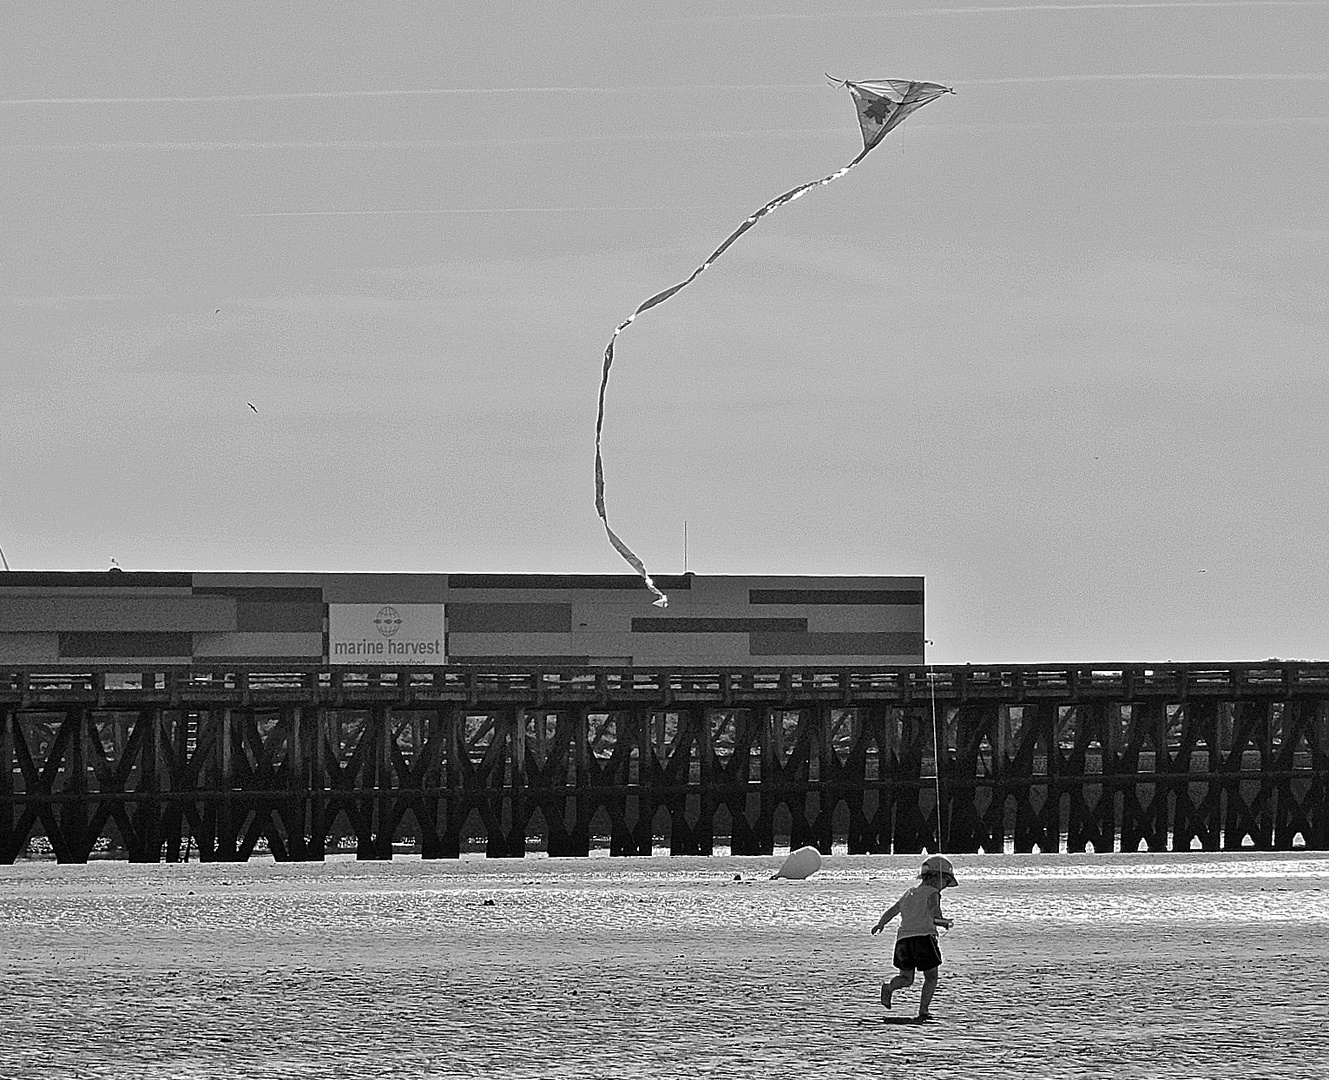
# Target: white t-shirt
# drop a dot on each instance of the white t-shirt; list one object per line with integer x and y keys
{"x": 918, "y": 907}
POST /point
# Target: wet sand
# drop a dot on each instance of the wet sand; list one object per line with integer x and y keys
{"x": 1059, "y": 966}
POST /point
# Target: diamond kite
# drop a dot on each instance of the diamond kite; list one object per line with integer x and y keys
{"x": 882, "y": 106}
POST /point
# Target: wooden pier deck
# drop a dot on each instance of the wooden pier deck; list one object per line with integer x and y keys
{"x": 1034, "y": 757}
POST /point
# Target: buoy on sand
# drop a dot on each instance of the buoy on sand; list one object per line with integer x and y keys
{"x": 800, "y": 864}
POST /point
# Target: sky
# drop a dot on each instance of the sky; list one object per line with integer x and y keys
{"x": 1058, "y": 344}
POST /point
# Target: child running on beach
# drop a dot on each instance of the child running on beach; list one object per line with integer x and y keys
{"x": 916, "y": 941}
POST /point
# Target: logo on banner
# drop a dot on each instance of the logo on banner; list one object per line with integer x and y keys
{"x": 388, "y": 621}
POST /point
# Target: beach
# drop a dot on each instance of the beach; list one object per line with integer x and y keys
{"x": 1121, "y": 965}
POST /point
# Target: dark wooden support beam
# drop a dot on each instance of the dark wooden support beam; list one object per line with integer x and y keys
{"x": 73, "y": 814}
{"x": 146, "y": 845}
{"x": 232, "y": 816}
{"x": 10, "y": 842}
{"x": 295, "y": 810}
{"x": 454, "y": 808}
{"x": 320, "y": 730}
{"x": 384, "y": 820}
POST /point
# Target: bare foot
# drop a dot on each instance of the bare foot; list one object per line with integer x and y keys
{"x": 886, "y": 995}
{"x": 923, "y": 1018}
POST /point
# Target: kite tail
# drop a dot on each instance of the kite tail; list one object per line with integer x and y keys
{"x": 629, "y": 556}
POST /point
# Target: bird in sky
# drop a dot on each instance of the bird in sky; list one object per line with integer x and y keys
{"x": 251, "y": 405}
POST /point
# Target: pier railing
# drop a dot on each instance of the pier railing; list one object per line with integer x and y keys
{"x": 227, "y": 761}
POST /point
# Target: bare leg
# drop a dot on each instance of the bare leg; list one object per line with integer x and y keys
{"x": 905, "y": 978}
{"x": 929, "y": 988}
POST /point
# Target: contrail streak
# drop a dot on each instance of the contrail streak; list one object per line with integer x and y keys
{"x": 1017, "y": 9}
{"x": 756, "y": 134}
{"x": 255, "y": 144}
{"x": 303, "y": 95}
{"x": 476, "y": 210}
{"x": 1130, "y": 125}
{"x": 1109, "y": 5}
{"x": 429, "y": 144}
{"x": 763, "y": 88}
{"x": 333, "y": 95}
{"x": 1302, "y": 76}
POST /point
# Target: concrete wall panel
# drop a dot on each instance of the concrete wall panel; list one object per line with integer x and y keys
{"x": 481, "y": 618}
{"x": 511, "y": 644}
{"x": 277, "y": 645}
{"x": 836, "y": 644}
{"x": 842, "y": 619}
{"x": 110, "y": 613}
{"x": 385, "y": 588}
{"x": 29, "y": 648}
{"x": 279, "y": 618}
{"x": 119, "y": 645}
{"x": 685, "y": 650}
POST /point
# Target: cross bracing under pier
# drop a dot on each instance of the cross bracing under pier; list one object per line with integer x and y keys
{"x": 225, "y": 762}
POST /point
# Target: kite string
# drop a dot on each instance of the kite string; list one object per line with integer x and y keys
{"x": 936, "y": 754}
{"x": 628, "y": 555}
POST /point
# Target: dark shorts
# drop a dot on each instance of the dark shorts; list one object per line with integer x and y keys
{"x": 920, "y": 952}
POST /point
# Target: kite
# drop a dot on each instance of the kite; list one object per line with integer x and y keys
{"x": 882, "y": 106}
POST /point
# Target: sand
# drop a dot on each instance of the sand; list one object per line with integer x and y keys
{"x": 1058, "y": 966}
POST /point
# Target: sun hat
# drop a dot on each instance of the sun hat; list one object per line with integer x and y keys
{"x": 942, "y": 867}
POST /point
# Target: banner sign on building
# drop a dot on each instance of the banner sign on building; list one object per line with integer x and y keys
{"x": 388, "y": 634}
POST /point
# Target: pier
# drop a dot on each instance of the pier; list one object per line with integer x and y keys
{"x": 224, "y": 762}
